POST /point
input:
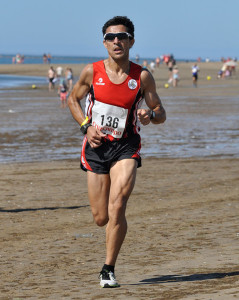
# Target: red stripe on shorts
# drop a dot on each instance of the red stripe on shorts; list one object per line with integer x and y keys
{"x": 137, "y": 153}
{"x": 83, "y": 158}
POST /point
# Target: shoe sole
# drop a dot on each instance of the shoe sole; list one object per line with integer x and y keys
{"x": 107, "y": 286}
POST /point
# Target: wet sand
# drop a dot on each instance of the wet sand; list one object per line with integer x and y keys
{"x": 201, "y": 121}
{"x": 183, "y": 236}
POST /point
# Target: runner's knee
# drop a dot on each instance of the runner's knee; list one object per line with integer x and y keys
{"x": 117, "y": 209}
{"x": 100, "y": 220}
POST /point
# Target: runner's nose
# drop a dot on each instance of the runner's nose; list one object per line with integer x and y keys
{"x": 116, "y": 40}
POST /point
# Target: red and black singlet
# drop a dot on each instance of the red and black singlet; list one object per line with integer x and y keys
{"x": 112, "y": 108}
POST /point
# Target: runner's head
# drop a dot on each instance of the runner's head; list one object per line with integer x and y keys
{"x": 120, "y": 20}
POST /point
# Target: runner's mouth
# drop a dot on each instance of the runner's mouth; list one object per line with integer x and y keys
{"x": 118, "y": 50}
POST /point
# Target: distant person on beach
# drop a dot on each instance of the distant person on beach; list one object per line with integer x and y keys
{"x": 195, "y": 70}
{"x": 59, "y": 71}
{"x": 62, "y": 92}
{"x": 170, "y": 70}
{"x": 115, "y": 88}
{"x": 175, "y": 76}
{"x": 157, "y": 61}
{"x": 49, "y": 58}
{"x": 171, "y": 63}
{"x": 222, "y": 72}
{"x": 145, "y": 64}
{"x": 19, "y": 59}
{"x": 44, "y": 57}
{"x": 166, "y": 59}
{"x": 69, "y": 78}
{"x": 51, "y": 78}
{"x": 152, "y": 66}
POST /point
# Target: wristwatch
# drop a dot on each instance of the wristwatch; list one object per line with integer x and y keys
{"x": 152, "y": 116}
{"x": 85, "y": 127}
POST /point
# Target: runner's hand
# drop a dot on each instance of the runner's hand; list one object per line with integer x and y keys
{"x": 94, "y": 137}
{"x": 144, "y": 116}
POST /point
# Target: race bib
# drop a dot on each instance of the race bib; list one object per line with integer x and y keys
{"x": 109, "y": 119}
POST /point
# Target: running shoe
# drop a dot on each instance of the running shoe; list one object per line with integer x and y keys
{"x": 107, "y": 279}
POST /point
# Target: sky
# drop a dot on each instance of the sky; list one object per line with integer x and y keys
{"x": 188, "y": 29}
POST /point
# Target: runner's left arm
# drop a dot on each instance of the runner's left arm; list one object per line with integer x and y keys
{"x": 152, "y": 100}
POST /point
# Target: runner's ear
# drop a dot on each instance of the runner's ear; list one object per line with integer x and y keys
{"x": 104, "y": 42}
{"x": 131, "y": 43}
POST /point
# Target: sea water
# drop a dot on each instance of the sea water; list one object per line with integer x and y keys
{"x": 10, "y": 81}
{"x": 34, "y": 128}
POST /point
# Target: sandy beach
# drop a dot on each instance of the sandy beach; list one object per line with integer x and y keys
{"x": 183, "y": 235}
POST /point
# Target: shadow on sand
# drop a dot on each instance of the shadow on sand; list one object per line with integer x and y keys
{"x": 185, "y": 278}
{"x": 18, "y": 210}
{"x": 193, "y": 277}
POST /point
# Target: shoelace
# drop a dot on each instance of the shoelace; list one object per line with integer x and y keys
{"x": 103, "y": 272}
{"x": 107, "y": 273}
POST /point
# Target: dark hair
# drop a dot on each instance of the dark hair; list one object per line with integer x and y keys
{"x": 119, "y": 20}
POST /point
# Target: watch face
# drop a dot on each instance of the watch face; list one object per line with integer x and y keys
{"x": 152, "y": 115}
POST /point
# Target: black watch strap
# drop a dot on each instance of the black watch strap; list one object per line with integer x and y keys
{"x": 84, "y": 128}
{"x": 152, "y": 116}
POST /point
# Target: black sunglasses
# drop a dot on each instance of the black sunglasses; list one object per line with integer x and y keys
{"x": 120, "y": 36}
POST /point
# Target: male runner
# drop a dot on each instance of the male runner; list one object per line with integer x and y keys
{"x": 115, "y": 89}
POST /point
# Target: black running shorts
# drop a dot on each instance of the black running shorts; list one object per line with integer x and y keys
{"x": 99, "y": 160}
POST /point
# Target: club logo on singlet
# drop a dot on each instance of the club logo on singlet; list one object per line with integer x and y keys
{"x": 100, "y": 81}
{"x": 132, "y": 84}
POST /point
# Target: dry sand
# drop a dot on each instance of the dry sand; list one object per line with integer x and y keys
{"x": 183, "y": 236}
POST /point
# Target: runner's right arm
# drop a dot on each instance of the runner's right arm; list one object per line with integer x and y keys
{"x": 79, "y": 91}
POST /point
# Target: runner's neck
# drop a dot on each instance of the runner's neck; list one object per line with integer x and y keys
{"x": 117, "y": 72}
